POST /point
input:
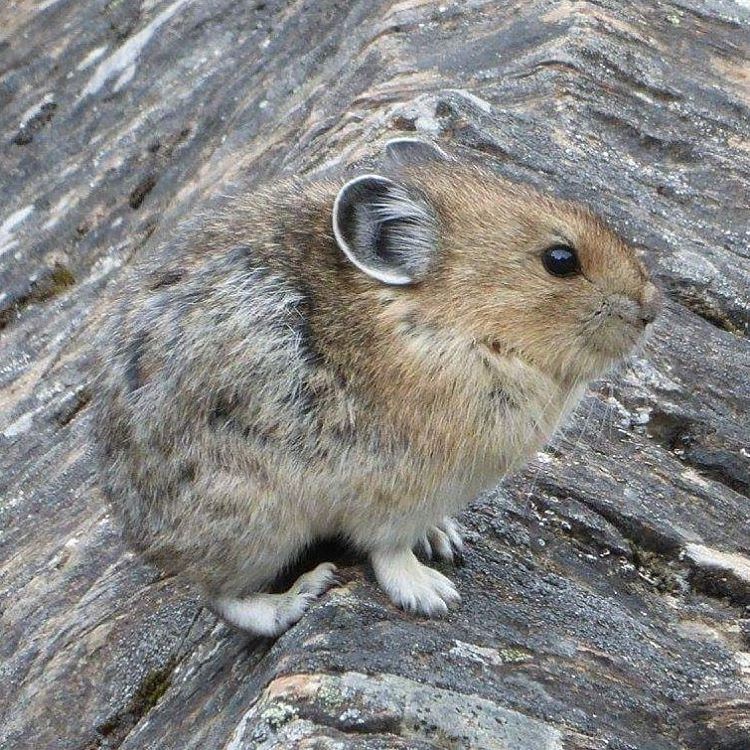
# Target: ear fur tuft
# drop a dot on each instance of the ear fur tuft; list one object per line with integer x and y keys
{"x": 387, "y": 230}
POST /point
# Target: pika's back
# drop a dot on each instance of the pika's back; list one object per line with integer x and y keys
{"x": 205, "y": 362}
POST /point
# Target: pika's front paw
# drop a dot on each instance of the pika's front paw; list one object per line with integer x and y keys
{"x": 443, "y": 542}
{"x": 411, "y": 585}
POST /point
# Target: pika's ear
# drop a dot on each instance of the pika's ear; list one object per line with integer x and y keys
{"x": 388, "y": 231}
{"x": 405, "y": 152}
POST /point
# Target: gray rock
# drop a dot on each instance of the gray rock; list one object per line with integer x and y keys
{"x": 605, "y": 590}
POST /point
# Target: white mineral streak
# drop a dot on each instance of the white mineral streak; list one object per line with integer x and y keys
{"x": 472, "y": 652}
{"x": 34, "y": 110}
{"x": 46, "y": 4}
{"x": 21, "y": 425}
{"x": 7, "y": 237}
{"x": 92, "y": 57}
{"x": 125, "y": 77}
{"x": 122, "y": 62}
{"x": 709, "y": 558}
{"x": 59, "y": 210}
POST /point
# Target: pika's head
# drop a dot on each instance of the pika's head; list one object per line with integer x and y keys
{"x": 513, "y": 270}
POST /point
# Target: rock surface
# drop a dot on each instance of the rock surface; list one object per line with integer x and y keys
{"x": 605, "y": 591}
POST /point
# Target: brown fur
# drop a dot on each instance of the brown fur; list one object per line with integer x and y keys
{"x": 259, "y": 391}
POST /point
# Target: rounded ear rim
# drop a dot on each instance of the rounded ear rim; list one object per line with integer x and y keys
{"x": 432, "y": 150}
{"x": 387, "y": 277}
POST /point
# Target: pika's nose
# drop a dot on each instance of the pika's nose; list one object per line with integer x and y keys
{"x": 651, "y": 302}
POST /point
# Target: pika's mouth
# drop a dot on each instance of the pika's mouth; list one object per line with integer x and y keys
{"x": 622, "y": 321}
{"x": 638, "y": 313}
{"x": 613, "y": 336}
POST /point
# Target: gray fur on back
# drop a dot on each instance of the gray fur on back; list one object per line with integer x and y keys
{"x": 205, "y": 383}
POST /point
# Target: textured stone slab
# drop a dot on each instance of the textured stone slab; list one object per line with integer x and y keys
{"x": 388, "y": 708}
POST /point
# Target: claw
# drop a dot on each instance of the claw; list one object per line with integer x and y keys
{"x": 412, "y": 585}
{"x": 424, "y": 546}
{"x": 443, "y": 542}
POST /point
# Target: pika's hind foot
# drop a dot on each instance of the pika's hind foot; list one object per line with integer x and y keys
{"x": 443, "y": 542}
{"x": 271, "y": 614}
{"x": 412, "y": 585}
{"x": 316, "y": 582}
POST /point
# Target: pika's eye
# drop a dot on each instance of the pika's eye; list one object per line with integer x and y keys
{"x": 561, "y": 260}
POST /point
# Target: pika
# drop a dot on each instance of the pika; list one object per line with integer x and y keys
{"x": 356, "y": 359}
